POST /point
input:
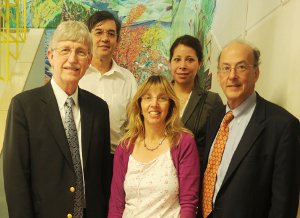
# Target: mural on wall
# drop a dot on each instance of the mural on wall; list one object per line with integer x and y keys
{"x": 149, "y": 27}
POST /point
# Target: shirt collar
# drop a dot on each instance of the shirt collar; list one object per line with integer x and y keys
{"x": 240, "y": 111}
{"x": 114, "y": 69}
{"x": 61, "y": 96}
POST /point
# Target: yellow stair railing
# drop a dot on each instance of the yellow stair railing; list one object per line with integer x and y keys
{"x": 13, "y": 30}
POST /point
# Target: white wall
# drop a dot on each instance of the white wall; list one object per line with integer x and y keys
{"x": 274, "y": 28}
{"x": 28, "y": 73}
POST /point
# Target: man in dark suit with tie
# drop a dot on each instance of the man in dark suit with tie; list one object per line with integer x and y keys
{"x": 253, "y": 169}
{"x": 57, "y": 143}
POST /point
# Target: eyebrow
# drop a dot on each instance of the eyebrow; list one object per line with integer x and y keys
{"x": 104, "y": 30}
{"x": 189, "y": 56}
{"x": 159, "y": 94}
{"x": 243, "y": 61}
{"x": 70, "y": 47}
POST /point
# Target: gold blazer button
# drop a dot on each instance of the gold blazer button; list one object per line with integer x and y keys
{"x": 72, "y": 189}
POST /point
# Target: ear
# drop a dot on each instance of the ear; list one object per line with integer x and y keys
{"x": 200, "y": 64}
{"x": 90, "y": 60}
{"x": 256, "y": 74}
{"x": 218, "y": 78}
{"x": 50, "y": 57}
{"x": 119, "y": 40}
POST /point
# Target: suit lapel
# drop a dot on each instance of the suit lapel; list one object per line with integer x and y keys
{"x": 87, "y": 116}
{"x": 250, "y": 135}
{"x": 192, "y": 104}
{"x": 52, "y": 116}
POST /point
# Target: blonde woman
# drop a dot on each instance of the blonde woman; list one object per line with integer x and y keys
{"x": 156, "y": 166}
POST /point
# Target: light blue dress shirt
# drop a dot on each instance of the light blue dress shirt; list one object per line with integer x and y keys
{"x": 237, "y": 126}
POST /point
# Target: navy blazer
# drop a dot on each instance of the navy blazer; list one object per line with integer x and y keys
{"x": 262, "y": 179}
{"x": 38, "y": 168}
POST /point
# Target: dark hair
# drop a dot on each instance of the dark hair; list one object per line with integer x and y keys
{"x": 99, "y": 16}
{"x": 191, "y": 42}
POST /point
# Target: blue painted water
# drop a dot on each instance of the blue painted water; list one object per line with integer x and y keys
{"x": 102, "y": 6}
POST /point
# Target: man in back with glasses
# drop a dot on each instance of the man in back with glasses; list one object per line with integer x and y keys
{"x": 104, "y": 78}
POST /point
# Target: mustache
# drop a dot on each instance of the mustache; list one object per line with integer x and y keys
{"x": 234, "y": 84}
{"x": 71, "y": 65}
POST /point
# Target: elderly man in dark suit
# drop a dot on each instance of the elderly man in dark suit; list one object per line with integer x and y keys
{"x": 57, "y": 142}
{"x": 251, "y": 159}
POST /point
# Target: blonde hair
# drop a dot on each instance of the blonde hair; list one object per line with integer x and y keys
{"x": 173, "y": 126}
{"x": 71, "y": 31}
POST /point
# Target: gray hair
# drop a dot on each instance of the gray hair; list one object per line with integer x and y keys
{"x": 256, "y": 53}
{"x": 71, "y": 31}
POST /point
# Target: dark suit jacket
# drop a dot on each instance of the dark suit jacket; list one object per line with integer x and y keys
{"x": 38, "y": 168}
{"x": 263, "y": 176}
{"x": 188, "y": 119}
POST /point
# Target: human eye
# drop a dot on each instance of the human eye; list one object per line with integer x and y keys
{"x": 176, "y": 59}
{"x": 241, "y": 67}
{"x": 190, "y": 59}
{"x": 64, "y": 51}
{"x": 225, "y": 68}
{"x": 163, "y": 98}
{"x": 98, "y": 32}
{"x": 81, "y": 52}
{"x": 112, "y": 34}
{"x": 147, "y": 98}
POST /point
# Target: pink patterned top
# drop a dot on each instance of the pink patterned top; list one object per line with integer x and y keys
{"x": 152, "y": 188}
{"x": 186, "y": 161}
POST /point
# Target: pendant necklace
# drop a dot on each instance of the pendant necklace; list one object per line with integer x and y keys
{"x": 156, "y": 146}
{"x": 183, "y": 100}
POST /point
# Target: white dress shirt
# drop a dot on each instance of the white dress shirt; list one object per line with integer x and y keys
{"x": 117, "y": 87}
{"x": 242, "y": 115}
{"x": 184, "y": 107}
{"x": 61, "y": 98}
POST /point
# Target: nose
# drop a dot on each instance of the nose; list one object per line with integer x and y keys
{"x": 154, "y": 101}
{"x": 104, "y": 37}
{"x": 72, "y": 57}
{"x": 232, "y": 73}
{"x": 182, "y": 65}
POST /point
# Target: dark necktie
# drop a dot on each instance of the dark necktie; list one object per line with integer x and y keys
{"x": 209, "y": 179}
{"x": 72, "y": 137}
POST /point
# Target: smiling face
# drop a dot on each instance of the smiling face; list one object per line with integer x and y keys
{"x": 67, "y": 71}
{"x": 237, "y": 87}
{"x": 184, "y": 64}
{"x": 155, "y": 112}
{"x": 104, "y": 46}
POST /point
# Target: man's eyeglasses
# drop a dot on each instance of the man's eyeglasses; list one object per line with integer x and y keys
{"x": 100, "y": 34}
{"x": 240, "y": 69}
{"x": 66, "y": 52}
{"x": 149, "y": 99}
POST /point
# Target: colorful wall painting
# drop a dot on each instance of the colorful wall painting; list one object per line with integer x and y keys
{"x": 149, "y": 27}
